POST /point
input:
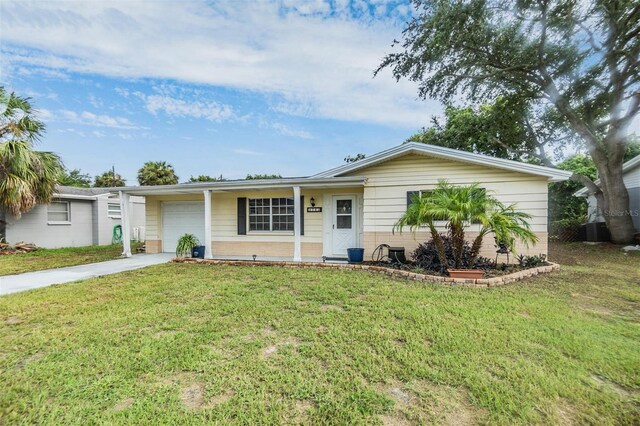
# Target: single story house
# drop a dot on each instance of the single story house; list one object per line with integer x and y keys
{"x": 76, "y": 217}
{"x": 631, "y": 177}
{"x": 353, "y": 205}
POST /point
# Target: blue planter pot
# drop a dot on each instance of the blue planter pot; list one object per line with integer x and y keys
{"x": 355, "y": 255}
{"x": 198, "y": 252}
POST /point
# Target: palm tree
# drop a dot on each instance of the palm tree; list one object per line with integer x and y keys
{"x": 507, "y": 224}
{"x": 27, "y": 177}
{"x": 460, "y": 206}
{"x": 109, "y": 179}
{"x": 157, "y": 173}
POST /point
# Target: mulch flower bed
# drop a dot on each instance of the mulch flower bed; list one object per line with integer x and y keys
{"x": 387, "y": 270}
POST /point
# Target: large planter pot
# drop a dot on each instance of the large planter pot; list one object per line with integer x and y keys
{"x": 466, "y": 273}
{"x": 355, "y": 255}
{"x": 198, "y": 252}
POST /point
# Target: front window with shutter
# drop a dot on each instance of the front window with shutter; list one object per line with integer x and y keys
{"x": 271, "y": 214}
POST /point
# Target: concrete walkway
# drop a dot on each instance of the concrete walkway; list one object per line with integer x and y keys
{"x": 30, "y": 280}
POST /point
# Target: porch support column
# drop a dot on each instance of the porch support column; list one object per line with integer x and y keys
{"x": 208, "y": 252}
{"x": 125, "y": 223}
{"x": 297, "y": 251}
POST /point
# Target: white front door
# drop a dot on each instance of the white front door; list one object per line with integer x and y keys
{"x": 344, "y": 234}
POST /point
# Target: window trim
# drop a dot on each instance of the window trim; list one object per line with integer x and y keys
{"x": 60, "y": 222}
{"x": 271, "y": 215}
{"x": 114, "y": 216}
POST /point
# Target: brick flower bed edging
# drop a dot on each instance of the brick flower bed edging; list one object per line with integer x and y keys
{"x": 397, "y": 273}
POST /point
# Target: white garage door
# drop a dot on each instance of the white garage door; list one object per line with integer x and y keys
{"x": 179, "y": 218}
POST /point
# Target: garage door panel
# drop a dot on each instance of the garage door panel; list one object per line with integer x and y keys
{"x": 179, "y": 218}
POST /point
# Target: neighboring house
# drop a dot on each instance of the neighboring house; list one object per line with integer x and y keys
{"x": 76, "y": 217}
{"x": 631, "y": 177}
{"x": 354, "y": 205}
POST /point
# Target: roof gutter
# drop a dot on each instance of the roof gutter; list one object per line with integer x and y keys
{"x": 244, "y": 185}
{"x": 75, "y": 197}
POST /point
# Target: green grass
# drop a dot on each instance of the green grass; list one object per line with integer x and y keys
{"x": 199, "y": 344}
{"x": 58, "y": 258}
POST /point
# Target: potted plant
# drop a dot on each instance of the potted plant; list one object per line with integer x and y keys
{"x": 186, "y": 244}
{"x": 458, "y": 207}
{"x": 355, "y": 255}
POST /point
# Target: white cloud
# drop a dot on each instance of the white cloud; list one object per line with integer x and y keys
{"x": 44, "y": 114}
{"x": 94, "y": 101}
{"x": 309, "y": 58}
{"x": 288, "y": 131}
{"x": 90, "y": 119}
{"x": 174, "y": 107}
{"x": 247, "y": 152}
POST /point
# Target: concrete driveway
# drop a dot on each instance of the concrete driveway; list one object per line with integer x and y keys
{"x": 30, "y": 280}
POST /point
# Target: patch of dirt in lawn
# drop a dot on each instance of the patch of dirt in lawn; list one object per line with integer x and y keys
{"x": 268, "y": 351}
{"x": 425, "y": 402}
{"x": 329, "y": 307}
{"x": 289, "y": 289}
{"x": 220, "y": 398}
{"x": 29, "y": 359}
{"x": 13, "y": 321}
{"x": 566, "y": 414}
{"x": 269, "y": 331}
{"x": 322, "y": 329}
{"x": 192, "y": 396}
{"x": 604, "y": 383}
{"x": 395, "y": 419}
{"x": 123, "y": 404}
{"x": 399, "y": 341}
{"x": 272, "y": 349}
{"x": 589, "y": 304}
{"x": 396, "y": 392}
{"x": 301, "y": 412}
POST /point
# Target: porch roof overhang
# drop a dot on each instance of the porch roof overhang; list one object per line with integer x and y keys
{"x": 245, "y": 185}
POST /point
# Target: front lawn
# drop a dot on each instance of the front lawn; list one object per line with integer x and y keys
{"x": 57, "y": 258}
{"x": 197, "y": 344}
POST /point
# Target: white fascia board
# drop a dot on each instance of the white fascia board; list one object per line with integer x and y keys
{"x": 246, "y": 185}
{"x": 554, "y": 175}
{"x": 74, "y": 197}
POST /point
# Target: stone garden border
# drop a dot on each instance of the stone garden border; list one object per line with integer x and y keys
{"x": 397, "y": 273}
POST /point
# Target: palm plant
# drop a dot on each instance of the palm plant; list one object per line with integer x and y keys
{"x": 27, "y": 177}
{"x": 507, "y": 224}
{"x": 157, "y": 173}
{"x": 460, "y": 206}
{"x": 186, "y": 244}
{"x": 109, "y": 179}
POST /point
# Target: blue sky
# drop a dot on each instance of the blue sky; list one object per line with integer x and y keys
{"x": 211, "y": 87}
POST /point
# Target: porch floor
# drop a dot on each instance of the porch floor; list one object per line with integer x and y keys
{"x": 280, "y": 259}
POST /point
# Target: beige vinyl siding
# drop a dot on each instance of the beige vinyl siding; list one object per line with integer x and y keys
{"x": 224, "y": 232}
{"x": 385, "y": 195}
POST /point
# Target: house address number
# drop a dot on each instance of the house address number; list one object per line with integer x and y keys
{"x": 314, "y": 209}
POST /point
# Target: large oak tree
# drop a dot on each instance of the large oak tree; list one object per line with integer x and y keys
{"x": 576, "y": 60}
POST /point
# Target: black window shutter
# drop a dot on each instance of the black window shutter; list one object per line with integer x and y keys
{"x": 410, "y": 196}
{"x": 242, "y": 216}
{"x": 302, "y": 215}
